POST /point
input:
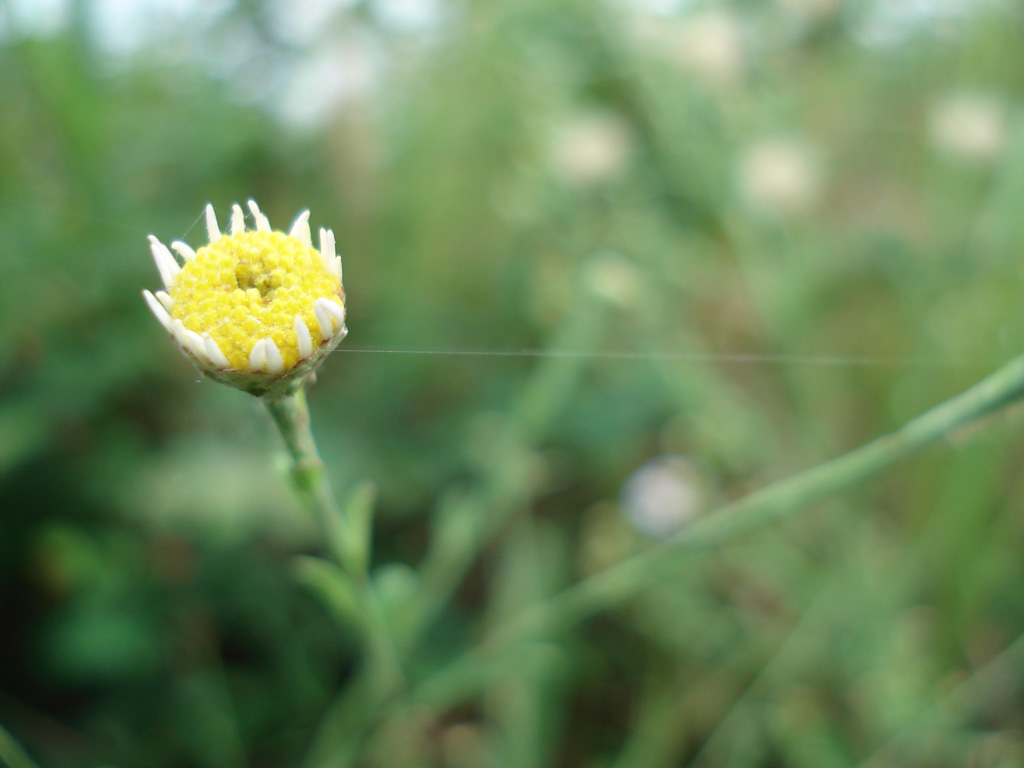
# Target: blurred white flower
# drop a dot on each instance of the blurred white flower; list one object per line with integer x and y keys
{"x": 336, "y": 72}
{"x": 663, "y": 495}
{"x": 613, "y": 278}
{"x": 888, "y": 23}
{"x": 591, "y": 148}
{"x": 39, "y": 18}
{"x": 303, "y": 22}
{"x": 780, "y": 176}
{"x": 970, "y": 126}
{"x": 125, "y": 27}
{"x": 408, "y": 15}
{"x": 710, "y": 46}
{"x": 657, "y": 7}
{"x": 707, "y": 45}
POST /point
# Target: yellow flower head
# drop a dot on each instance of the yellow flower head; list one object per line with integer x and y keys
{"x": 257, "y": 309}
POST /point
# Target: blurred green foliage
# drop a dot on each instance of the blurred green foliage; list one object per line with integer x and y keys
{"x": 765, "y": 232}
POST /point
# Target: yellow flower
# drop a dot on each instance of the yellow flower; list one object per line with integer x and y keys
{"x": 258, "y": 310}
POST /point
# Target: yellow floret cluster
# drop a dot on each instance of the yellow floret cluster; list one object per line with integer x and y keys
{"x": 250, "y": 286}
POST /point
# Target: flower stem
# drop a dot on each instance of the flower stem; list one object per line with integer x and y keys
{"x": 622, "y": 581}
{"x": 11, "y": 753}
{"x": 347, "y": 543}
{"x": 291, "y": 415}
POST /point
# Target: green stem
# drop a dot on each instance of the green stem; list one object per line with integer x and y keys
{"x": 345, "y": 542}
{"x": 291, "y": 415}
{"x": 624, "y": 580}
{"x": 11, "y": 753}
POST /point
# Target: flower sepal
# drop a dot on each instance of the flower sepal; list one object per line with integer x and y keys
{"x": 270, "y": 385}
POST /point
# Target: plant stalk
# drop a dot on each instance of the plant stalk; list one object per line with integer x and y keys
{"x": 345, "y": 543}
{"x": 620, "y": 582}
{"x": 12, "y": 754}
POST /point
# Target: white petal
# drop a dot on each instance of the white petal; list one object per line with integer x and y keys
{"x": 274, "y": 362}
{"x": 327, "y": 248}
{"x": 166, "y": 300}
{"x": 195, "y": 343}
{"x": 337, "y": 268}
{"x": 211, "y": 223}
{"x": 213, "y": 352}
{"x": 237, "y": 219}
{"x": 302, "y": 334}
{"x": 335, "y": 310}
{"x": 258, "y": 356}
{"x": 323, "y": 319}
{"x": 165, "y": 263}
{"x": 184, "y": 250}
{"x": 262, "y": 222}
{"x": 190, "y": 340}
{"x": 157, "y": 309}
{"x": 300, "y": 229}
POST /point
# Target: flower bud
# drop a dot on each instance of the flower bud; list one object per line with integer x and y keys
{"x": 259, "y": 309}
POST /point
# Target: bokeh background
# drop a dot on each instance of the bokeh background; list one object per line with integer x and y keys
{"x": 734, "y": 239}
